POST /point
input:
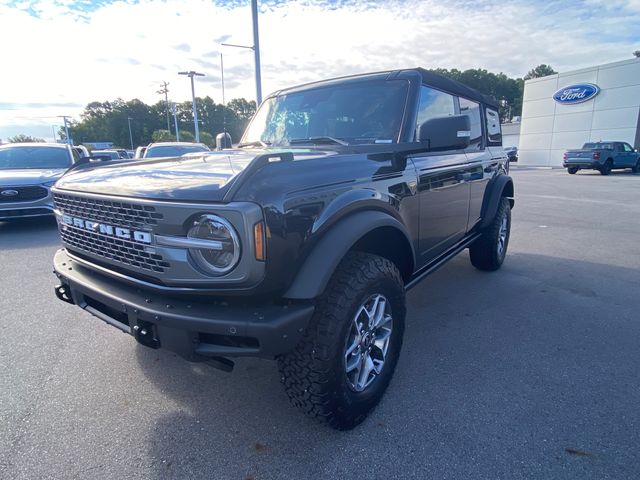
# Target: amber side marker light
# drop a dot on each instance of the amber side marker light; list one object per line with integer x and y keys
{"x": 258, "y": 240}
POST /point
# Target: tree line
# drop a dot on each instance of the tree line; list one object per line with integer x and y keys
{"x": 109, "y": 121}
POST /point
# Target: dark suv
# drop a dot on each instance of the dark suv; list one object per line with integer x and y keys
{"x": 300, "y": 244}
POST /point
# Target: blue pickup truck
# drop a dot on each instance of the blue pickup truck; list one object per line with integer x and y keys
{"x": 602, "y": 156}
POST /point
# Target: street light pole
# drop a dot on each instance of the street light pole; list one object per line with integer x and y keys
{"x": 164, "y": 90}
{"x": 192, "y": 74}
{"x": 130, "y": 136}
{"x": 256, "y": 50}
{"x": 175, "y": 120}
{"x": 66, "y": 128}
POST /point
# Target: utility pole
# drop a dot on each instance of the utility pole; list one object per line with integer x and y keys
{"x": 256, "y": 50}
{"x": 192, "y": 74}
{"x": 175, "y": 120}
{"x": 164, "y": 90}
{"x": 66, "y": 128}
{"x": 130, "y": 136}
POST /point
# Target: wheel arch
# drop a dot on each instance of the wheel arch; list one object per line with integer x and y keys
{"x": 501, "y": 186}
{"x": 369, "y": 231}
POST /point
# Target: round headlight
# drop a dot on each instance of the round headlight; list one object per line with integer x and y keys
{"x": 224, "y": 251}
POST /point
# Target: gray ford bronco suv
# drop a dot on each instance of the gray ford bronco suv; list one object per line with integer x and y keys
{"x": 300, "y": 244}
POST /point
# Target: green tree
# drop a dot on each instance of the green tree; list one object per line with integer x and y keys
{"x": 207, "y": 139}
{"x": 163, "y": 136}
{"x": 541, "y": 70}
{"x": 636, "y": 54}
{"x": 22, "y": 138}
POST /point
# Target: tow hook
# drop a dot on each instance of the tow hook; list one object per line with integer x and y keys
{"x": 63, "y": 293}
{"x": 144, "y": 333}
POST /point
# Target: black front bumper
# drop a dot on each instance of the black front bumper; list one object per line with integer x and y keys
{"x": 197, "y": 329}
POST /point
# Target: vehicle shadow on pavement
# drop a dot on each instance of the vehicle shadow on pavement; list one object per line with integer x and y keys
{"x": 29, "y": 233}
{"x": 512, "y": 371}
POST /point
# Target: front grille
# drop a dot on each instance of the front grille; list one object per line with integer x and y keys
{"x": 116, "y": 213}
{"x": 28, "y": 193}
{"x": 112, "y": 212}
{"x": 118, "y": 250}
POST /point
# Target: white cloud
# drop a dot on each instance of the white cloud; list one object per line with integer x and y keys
{"x": 60, "y": 54}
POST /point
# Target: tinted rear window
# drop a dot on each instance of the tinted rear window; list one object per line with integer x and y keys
{"x": 15, "y": 157}
{"x": 173, "y": 150}
{"x": 597, "y": 146}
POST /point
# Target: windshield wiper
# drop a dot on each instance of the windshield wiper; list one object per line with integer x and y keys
{"x": 317, "y": 140}
{"x": 255, "y": 143}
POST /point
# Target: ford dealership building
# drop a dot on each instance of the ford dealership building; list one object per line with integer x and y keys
{"x": 563, "y": 111}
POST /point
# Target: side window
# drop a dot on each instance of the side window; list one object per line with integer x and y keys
{"x": 494, "y": 134}
{"x": 434, "y": 103}
{"x": 472, "y": 110}
{"x": 627, "y": 147}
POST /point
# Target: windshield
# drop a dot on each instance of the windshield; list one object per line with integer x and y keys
{"x": 598, "y": 146}
{"x": 363, "y": 112}
{"x": 16, "y": 157}
{"x": 173, "y": 150}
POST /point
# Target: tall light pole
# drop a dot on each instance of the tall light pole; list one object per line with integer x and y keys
{"x": 130, "y": 136}
{"x": 53, "y": 129}
{"x": 175, "y": 120}
{"x": 66, "y": 128}
{"x": 192, "y": 74}
{"x": 256, "y": 50}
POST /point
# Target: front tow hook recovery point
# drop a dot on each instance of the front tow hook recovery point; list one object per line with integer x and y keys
{"x": 63, "y": 293}
{"x": 144, "y": 333}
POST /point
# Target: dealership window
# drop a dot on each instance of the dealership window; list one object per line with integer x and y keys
{"x": 434, "y": 103}
{"x": 494, "y": 134}
{"x": 472, "y": 110}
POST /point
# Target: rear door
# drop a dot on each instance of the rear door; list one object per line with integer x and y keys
{"x": 443, "y": 190}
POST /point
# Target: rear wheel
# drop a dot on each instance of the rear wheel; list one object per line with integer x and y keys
{"x": 572, "y": 170}
{"x": 489, "y": 251}
{"x": 346, "y": 358}
{"x": 606, "y": 168}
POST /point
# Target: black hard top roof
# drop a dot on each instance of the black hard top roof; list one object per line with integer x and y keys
{"x": 432, "y": 79}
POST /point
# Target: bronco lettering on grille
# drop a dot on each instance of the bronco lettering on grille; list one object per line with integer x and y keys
{"x": 104, "y": 229}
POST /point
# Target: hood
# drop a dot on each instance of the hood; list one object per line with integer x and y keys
{"x": 29, "y": 176}
{"x": 203, "y": 178}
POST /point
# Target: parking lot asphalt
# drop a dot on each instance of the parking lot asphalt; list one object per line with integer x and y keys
{"x": 528, "y": 372}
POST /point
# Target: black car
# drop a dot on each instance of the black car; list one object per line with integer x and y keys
{"x": 300, "y": 244}
{"x": 512, "y": 153}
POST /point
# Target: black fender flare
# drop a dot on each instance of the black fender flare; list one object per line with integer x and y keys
{"x": 495, "y": 191}
{"x": 318, "y": 267}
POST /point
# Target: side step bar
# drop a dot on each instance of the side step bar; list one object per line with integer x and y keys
{"x": 439, "y": 261}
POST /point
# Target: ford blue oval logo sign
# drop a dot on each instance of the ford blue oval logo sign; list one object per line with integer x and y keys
{"x": 576, "y": 93}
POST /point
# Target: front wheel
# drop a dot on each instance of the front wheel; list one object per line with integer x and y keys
{"x": 489, "y": 251}
{"x": 636, "y": 169}
{"x": 346, "y": 358}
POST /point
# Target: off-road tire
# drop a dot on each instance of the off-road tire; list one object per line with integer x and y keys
{"x": 313, "y": 374}
{"x": 484, "y": 251}
{"x": 572, "y": 170}
{"x": 606, "y": 168}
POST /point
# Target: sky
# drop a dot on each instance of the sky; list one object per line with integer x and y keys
{"x": 59, "y": 55}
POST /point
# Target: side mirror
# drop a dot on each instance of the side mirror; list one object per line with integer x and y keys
{"x": 445, "y": 133}
{"x": 223, "y": 140}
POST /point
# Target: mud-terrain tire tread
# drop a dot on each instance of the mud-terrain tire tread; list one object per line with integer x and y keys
{"x": 483, "y": 252}
{"x": 312, "y": 373}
